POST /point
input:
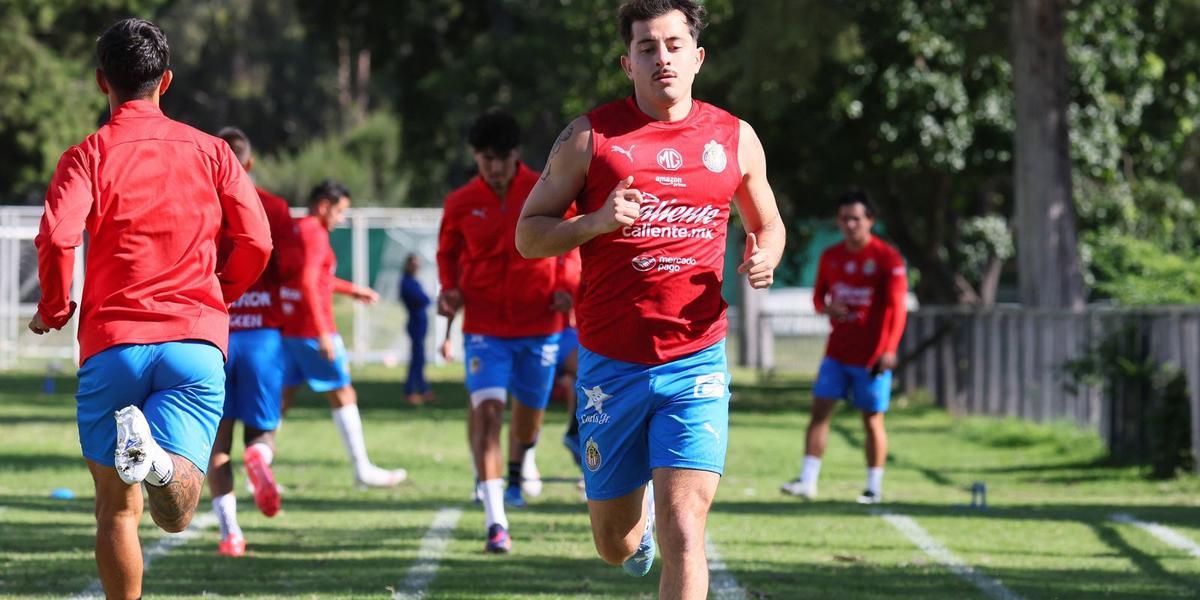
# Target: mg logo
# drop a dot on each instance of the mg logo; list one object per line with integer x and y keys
{"x": 670, "y": 159}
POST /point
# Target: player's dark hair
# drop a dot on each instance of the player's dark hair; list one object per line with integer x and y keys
{"x": 495, "y": 130}
{"x": 238, "y": 142}
{"x": 133, "y": 54}
{"x": 856, "y": 196}
{"x": 644, "y": 10}
{"x": 327, "y": 191}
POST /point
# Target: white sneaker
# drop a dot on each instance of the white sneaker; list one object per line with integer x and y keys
{"x": 137, "y": 453}
{"x": 869, "y": 497}
{"x": 373, "y": 476}
{"x": 531, "y": 479}
{"x": 796, "y": 487}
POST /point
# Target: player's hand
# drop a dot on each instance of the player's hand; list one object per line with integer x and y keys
{"x": 326, "y": 346}
{"x": 621, "y": 208}
{"x": 447, "y": 350}
{"x": 449, "y": 301}
{"x": 887, "y": 362}
{"x": 838, "y": 310}
{"x": 39, "y": 326}
{"x": 561, "y": 301}
{"x": 756, "y": 265}
{"x": 365, "y": 295}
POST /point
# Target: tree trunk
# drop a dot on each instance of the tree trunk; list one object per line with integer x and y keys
{"x": 1047, "y": 250}
{"x": 345, "y": 93}
{"x": 362, "y": 81}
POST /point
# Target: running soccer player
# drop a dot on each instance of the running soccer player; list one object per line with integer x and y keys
{"x": 315, "y": 353}
{"x": 862, "y": 286}
{"x": 653, "y": 176}
{"x": 152, "y": 194}
{"x": 253, "y": 371}
{"x": 513, "y": 311}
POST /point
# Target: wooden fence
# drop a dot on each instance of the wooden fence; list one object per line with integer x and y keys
{"x": 1010, "y": 362}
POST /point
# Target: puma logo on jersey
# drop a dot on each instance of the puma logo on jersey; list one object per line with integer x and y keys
{"x": 628, "y": 153}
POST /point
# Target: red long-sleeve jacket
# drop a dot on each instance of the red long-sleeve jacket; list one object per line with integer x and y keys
{"x": 153, "y": 195}
{"x": 504, "y": 293}
{"x": 872, "y": 283}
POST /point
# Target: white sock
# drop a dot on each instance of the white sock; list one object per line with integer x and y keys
{"x": 267, "y": 453}
{"x": 162, "y": 467}
{"x": 493, "y": 502}
{"x": 875, "y": 480}
{"x": 349, "y": 424}
{"x": 226, "y": 509}
{"x": 529, "y": 464}
{"x": 811, "y": 470}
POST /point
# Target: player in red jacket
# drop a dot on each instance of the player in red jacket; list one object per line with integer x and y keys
{"x": 316, "y": 355}
{"x": 862, "y": 286}
{"x": 153, "y": 195}
{"x": 513, "y": 312}
{"x": 654, "y": 176}
{"x": 254, "y": 369}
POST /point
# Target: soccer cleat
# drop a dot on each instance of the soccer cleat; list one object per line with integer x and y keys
{"x": 233, "y": 545}
{"x": 498, "y": 541}
{"x": 373, "y": 476}
{"x": 135, "y": 446}
{"x": 266, "y": 492}
{"x": 513, "y": 498}
{"x": 796, "y": 487}
{"x": 639, "y": 564}
{"x": 869, "y": 497}
{"x": 572, "y": 444}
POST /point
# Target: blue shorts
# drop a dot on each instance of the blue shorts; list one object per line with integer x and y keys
{"x": 254, "y": 378}
{"x": 523, "y": 367}
{"x": 634, "y": 418}
{"x": 837, "y": 381}
{"x": 567, "y": 343}
{"x": 306, "y": 365}
{"x": 179, "y": 386}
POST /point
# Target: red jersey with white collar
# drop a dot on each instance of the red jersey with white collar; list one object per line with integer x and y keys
{"x": 504, "y": 294}
{"x": 873, "y": 284}
{"x": 153, "y": 194}
{"x": 307, "y": 296}
{"x": 651, "y": 292}
{"x": 260, "y": 306}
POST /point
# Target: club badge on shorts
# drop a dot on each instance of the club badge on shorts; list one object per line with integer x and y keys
{"x": 591, "y": 455}
{"x": 714, "y": 157}
{"x": 475, "y": 364}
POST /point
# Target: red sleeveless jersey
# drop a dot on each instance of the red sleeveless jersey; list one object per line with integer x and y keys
{"x": 651, "y": 292}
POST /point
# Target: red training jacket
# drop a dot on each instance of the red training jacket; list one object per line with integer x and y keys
{"x": 307, "y": 296}
{"x": 504, "y": 293}
{"x": 873, "y": 284}
{"x": 153, "y": 194}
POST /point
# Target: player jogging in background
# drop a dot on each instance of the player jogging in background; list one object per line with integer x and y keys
{"x": 513, "y": 311}
{"x": 315, "y": 353}
{"x": 153, "y": 195}
{"x": 653, "y": 176}
{"x": 861, "y": 285}
{"x": 253, "y": 371}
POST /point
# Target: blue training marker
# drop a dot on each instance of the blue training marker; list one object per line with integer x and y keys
{"x": 62, "y": 494}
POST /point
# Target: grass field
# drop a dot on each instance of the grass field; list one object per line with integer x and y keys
{"x": 1048, "y": 532}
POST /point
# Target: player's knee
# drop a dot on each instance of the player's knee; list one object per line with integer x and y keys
{"x": 681, "y": 533}
{"x": 614, "y": 550}
{"x": 174, "y": 523}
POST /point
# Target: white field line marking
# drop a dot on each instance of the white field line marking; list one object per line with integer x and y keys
{"x": 720, "y": 580}
{"x": 1164, "y": 534}
{"x": 168, "y": 542}
{"x": 921, "y": 538}
{"x": 433, "y": 545}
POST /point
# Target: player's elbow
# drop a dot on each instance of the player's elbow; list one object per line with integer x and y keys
{"x": 528, "y": 243}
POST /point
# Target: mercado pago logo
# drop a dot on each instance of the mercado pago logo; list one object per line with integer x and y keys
{"x": 670, "y": 219}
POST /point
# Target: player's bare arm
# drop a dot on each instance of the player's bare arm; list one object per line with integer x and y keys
{"x": 542, "y": 232}
{"x": 756, "y": 203}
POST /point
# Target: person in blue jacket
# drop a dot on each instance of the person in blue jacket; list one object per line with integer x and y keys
{"x": 416, "y": 389}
